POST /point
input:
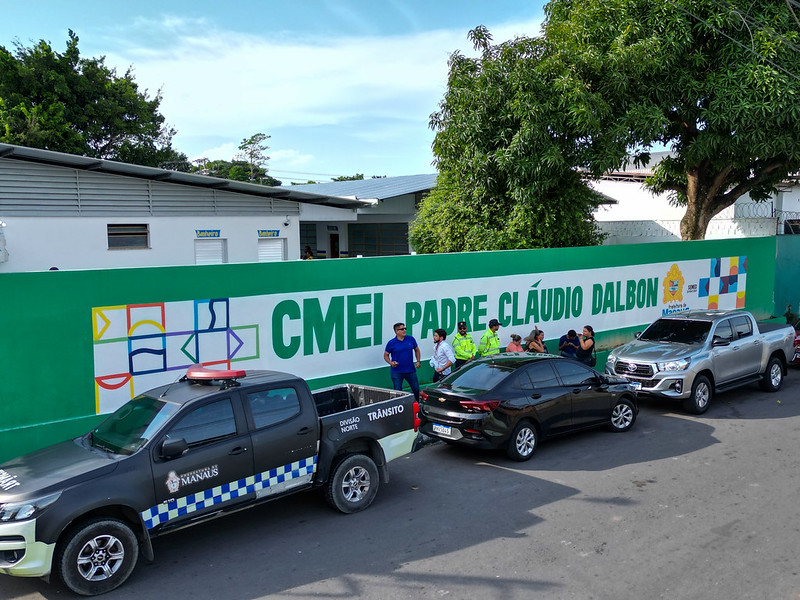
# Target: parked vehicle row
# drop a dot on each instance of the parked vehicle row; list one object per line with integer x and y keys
{"x": 83, "y": 511}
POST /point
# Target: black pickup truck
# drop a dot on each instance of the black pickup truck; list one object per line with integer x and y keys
{"x": 215, "y": 441}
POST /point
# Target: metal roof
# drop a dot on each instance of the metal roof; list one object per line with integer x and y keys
{"x": 373, "y": 189}
{"x": 98, "y": 165}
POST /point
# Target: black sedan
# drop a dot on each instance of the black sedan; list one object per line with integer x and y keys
{"x": 513, "y": 400}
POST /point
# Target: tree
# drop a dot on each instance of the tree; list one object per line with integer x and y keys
{"x": 235, "y": 170}
{"x": 62, "y": 102}
{"x": 356, "y": 177}
{"x": 716, "y": 81}
{"x": 506, "y": 147}
{"x": 253, "y": 152}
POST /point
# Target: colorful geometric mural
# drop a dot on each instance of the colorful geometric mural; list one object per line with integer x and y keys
{"x": 153, "y": 339}
{"x": 726, "y": 284}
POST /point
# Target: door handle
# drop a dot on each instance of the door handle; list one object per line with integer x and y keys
{"x": 238, "y": 450}
{"x": 576, "y": 391}
{"x": 305, "y": 431}
{"x": 536, "y": 396}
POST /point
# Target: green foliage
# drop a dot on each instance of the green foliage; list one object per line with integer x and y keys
{"x": 356, "y": 177}
{"x": 505, "y": 147}
{"x": 62, "y": 102}
{"x": 717, "y": 82}
{"x": 236, "y": 170}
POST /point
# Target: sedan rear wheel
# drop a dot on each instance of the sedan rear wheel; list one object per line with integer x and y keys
{"x": 523, "y": 442}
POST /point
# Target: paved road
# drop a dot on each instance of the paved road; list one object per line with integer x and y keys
{"x": 680, "y": 507}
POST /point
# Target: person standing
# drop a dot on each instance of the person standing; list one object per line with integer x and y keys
{"x": 586, "y": 349}
{"x": 568, "y": 344}
{"x": 443, "y": 356}
{"x": 490, "y": 341}
{"x": 399, "y": 353}
{"x": 515, "y": 345}
{"x": 463, "y": 346}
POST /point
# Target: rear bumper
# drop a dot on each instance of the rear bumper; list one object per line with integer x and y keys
{"x": 20, "y": 554}
{"x": 475, "y": 440}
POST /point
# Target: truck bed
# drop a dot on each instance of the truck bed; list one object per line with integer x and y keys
{"x": 339, "y": 398}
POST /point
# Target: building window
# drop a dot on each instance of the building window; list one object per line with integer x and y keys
{"x": 211, "y": 251}
{"x": 271, "y": 249}
{"x": 308, "y": 237}
{"x": 377, "y": 239}
{"x": 127, "y": 237}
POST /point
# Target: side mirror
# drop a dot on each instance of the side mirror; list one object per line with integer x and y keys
{"x": 173, "y": 448}
{"x": 720, "y": 341}
{"x": 637, "y": 335}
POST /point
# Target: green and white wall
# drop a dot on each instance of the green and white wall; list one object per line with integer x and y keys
{"x": 77, "y": 344}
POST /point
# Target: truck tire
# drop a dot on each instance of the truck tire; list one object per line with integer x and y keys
{"x": 97, "y": 556}
{"x": 353, "y": 485}
{"x": 702, "y": 392}
{"x": 522, "y": 443}
{"x": 772, "y": 378}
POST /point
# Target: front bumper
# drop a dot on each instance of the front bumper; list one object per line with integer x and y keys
{"x": 20, "y": 554}
{"x": 676, "y": 385}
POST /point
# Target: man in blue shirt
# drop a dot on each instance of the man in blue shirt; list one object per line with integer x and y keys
{"x": 399, "y": 353}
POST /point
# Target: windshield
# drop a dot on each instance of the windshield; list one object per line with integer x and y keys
{"x": 677, "y": 330}
{"x": 132, "y": 425}
{"x": 480, "y": 377}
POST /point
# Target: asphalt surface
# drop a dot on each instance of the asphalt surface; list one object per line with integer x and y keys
{"x": 679, "y": 507}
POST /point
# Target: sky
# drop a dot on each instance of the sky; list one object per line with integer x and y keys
{"x": 341, "y": 86}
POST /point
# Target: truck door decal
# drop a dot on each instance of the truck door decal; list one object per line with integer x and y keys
{"x": 263, "y": 484}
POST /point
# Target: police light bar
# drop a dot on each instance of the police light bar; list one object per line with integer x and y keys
{"x": 200, "y": 373}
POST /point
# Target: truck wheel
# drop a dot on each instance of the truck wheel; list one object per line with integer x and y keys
{"x": 772, "y": 378}
{"x": 623, "y": 416}
{"x": 522, "y": 443}
{"x": 97, "y": 556}
{"x": 353, "y": 485}
{"x": 702, "y": 392}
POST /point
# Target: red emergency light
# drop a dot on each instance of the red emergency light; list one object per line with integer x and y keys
{"x": 201, "y": 373}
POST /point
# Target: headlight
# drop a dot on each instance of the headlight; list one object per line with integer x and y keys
{"x": 674, "y": 365}
{"x": 611, "y": 360}
{"x": 19, "y": 511}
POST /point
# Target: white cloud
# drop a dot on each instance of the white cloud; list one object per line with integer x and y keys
{"x": 223, "y": 152}
{"x": 227, "y": 85}
{"x": 285, "y": 159}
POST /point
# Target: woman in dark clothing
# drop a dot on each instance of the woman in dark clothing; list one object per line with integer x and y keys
{"x": 586, "y": 349}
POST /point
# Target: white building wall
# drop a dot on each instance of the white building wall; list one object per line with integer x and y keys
{"x": 38, "y": 243}
{"x": 640, "y": 216}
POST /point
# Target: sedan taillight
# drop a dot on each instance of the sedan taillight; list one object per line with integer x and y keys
{"x": 479, "y": 405}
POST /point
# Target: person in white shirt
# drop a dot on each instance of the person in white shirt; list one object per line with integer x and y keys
{"x": 443, "y": 355}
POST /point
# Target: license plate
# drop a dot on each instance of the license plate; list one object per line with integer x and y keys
{"x": 443, "y": 429}
{"x": 637, "y": 385}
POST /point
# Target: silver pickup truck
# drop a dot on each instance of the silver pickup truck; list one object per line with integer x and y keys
{"x": 691, "y": 356}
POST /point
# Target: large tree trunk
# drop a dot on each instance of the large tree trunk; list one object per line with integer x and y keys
{"x": 695, "y": 222}
{"x": 705, "y": 202}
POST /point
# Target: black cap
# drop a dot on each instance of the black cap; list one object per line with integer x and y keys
{"x": 462, "y": 324}
{"x": 494, "y": 322}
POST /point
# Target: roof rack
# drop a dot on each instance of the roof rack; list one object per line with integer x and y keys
{"x": 199, "y": 373}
